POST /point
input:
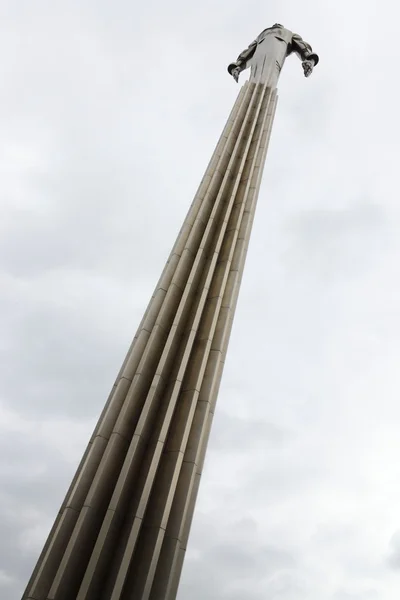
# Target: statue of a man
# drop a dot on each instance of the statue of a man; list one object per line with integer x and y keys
{"x": 267, "y": 54}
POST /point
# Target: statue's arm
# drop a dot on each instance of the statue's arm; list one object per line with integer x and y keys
{"x": 243, "y": 58}
{"x": 303, "y": 50}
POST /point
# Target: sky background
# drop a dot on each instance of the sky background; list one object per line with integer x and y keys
{"x": 109, "y": 112}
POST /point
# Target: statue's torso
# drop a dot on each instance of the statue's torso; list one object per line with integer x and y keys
{"x": 269, "y": 56}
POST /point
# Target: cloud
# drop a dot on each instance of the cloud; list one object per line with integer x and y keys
{"x": 109, "y": 113}
{"x": 337, "y": 243}
{"x": 239, "y": 563}
{"x": 38, "y": 456}
{"x": 370, "y": 594}
{"x": 393, "y": 560}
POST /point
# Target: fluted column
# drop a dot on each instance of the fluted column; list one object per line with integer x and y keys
{"x": 122, "y": 530}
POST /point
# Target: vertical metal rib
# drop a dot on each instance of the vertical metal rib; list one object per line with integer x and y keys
{"x": 122, "y": 530}
{"x": 174, "y": 546}
{"x": 147, "y": 545}
{"x": 129, "y": 424}
{"x": 193, "y": 294}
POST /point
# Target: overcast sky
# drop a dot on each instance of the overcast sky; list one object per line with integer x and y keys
{"x": 109, "y": 112}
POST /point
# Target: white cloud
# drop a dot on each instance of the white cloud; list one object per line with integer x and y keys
{"x": 109, "y": 113}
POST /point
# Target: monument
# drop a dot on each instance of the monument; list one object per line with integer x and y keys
{"x": 122, "y": 530}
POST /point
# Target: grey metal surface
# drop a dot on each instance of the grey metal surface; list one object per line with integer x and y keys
{"x": 123, "y": 528}
{"x": 267, "y": 54}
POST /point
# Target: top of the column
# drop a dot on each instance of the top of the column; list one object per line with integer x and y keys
{"x": 267, "y": 54}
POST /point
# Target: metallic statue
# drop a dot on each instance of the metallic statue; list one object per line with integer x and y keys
{"x": 267, "y": 54}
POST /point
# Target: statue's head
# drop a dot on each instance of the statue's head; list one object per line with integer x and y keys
{"x": 277, "y": 26}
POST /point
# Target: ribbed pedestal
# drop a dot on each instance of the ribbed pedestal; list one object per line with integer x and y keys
{"x": 122, "y": 531}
